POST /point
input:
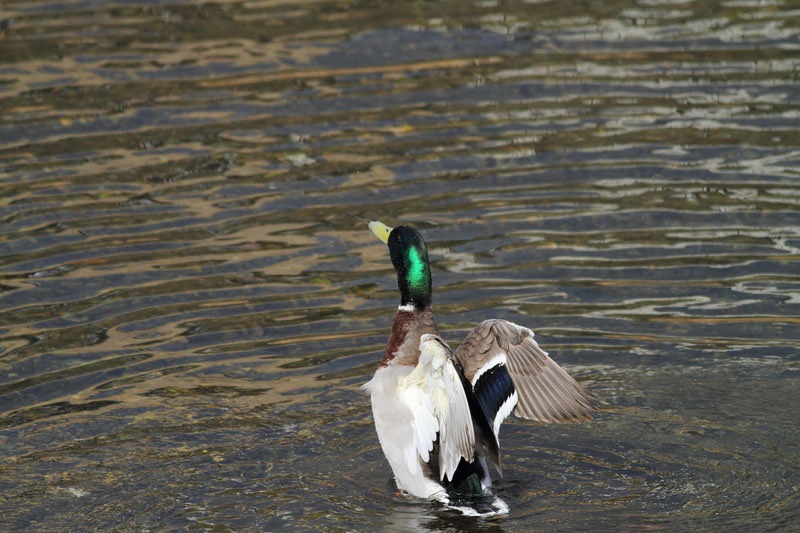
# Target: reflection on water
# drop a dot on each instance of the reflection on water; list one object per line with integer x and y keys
{"x": 190, "y": 298}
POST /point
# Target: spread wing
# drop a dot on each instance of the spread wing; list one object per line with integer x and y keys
{"x": 509, "y": 372}
{"x": 437, "y": 380}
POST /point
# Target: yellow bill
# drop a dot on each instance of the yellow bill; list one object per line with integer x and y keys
{"x": 380, "y": 230}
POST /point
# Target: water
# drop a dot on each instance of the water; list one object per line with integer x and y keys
{"x": 191, "y": 298}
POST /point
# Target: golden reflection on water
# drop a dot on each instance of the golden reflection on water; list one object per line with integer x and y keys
{"x": 190, "y": 297}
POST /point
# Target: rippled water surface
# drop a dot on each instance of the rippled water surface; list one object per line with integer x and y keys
{"x": 190, "y": 298}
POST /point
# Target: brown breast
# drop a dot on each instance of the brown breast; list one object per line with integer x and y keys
{"x": 408, "y": 327}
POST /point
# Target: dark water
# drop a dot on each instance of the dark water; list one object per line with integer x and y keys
{"x": 191, "y": 299}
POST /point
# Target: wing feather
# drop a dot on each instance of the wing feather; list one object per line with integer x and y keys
{"x": 437, "y": 381}
{"x": 424, "y": 427}
{"x": 545, "y": 391}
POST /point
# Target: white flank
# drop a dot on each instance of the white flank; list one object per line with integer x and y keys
{"x": 450, "y": 406}
{"x": 424, "y": 424}
{"x": 406, "y": 428}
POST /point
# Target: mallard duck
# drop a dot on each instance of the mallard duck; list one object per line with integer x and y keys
{"x": 437, "y": 411}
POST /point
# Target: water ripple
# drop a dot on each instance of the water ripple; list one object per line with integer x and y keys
{"x": 189, "y": 298}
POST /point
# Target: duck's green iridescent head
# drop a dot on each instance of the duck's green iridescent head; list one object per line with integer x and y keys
{"x": 410, "y": 260}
